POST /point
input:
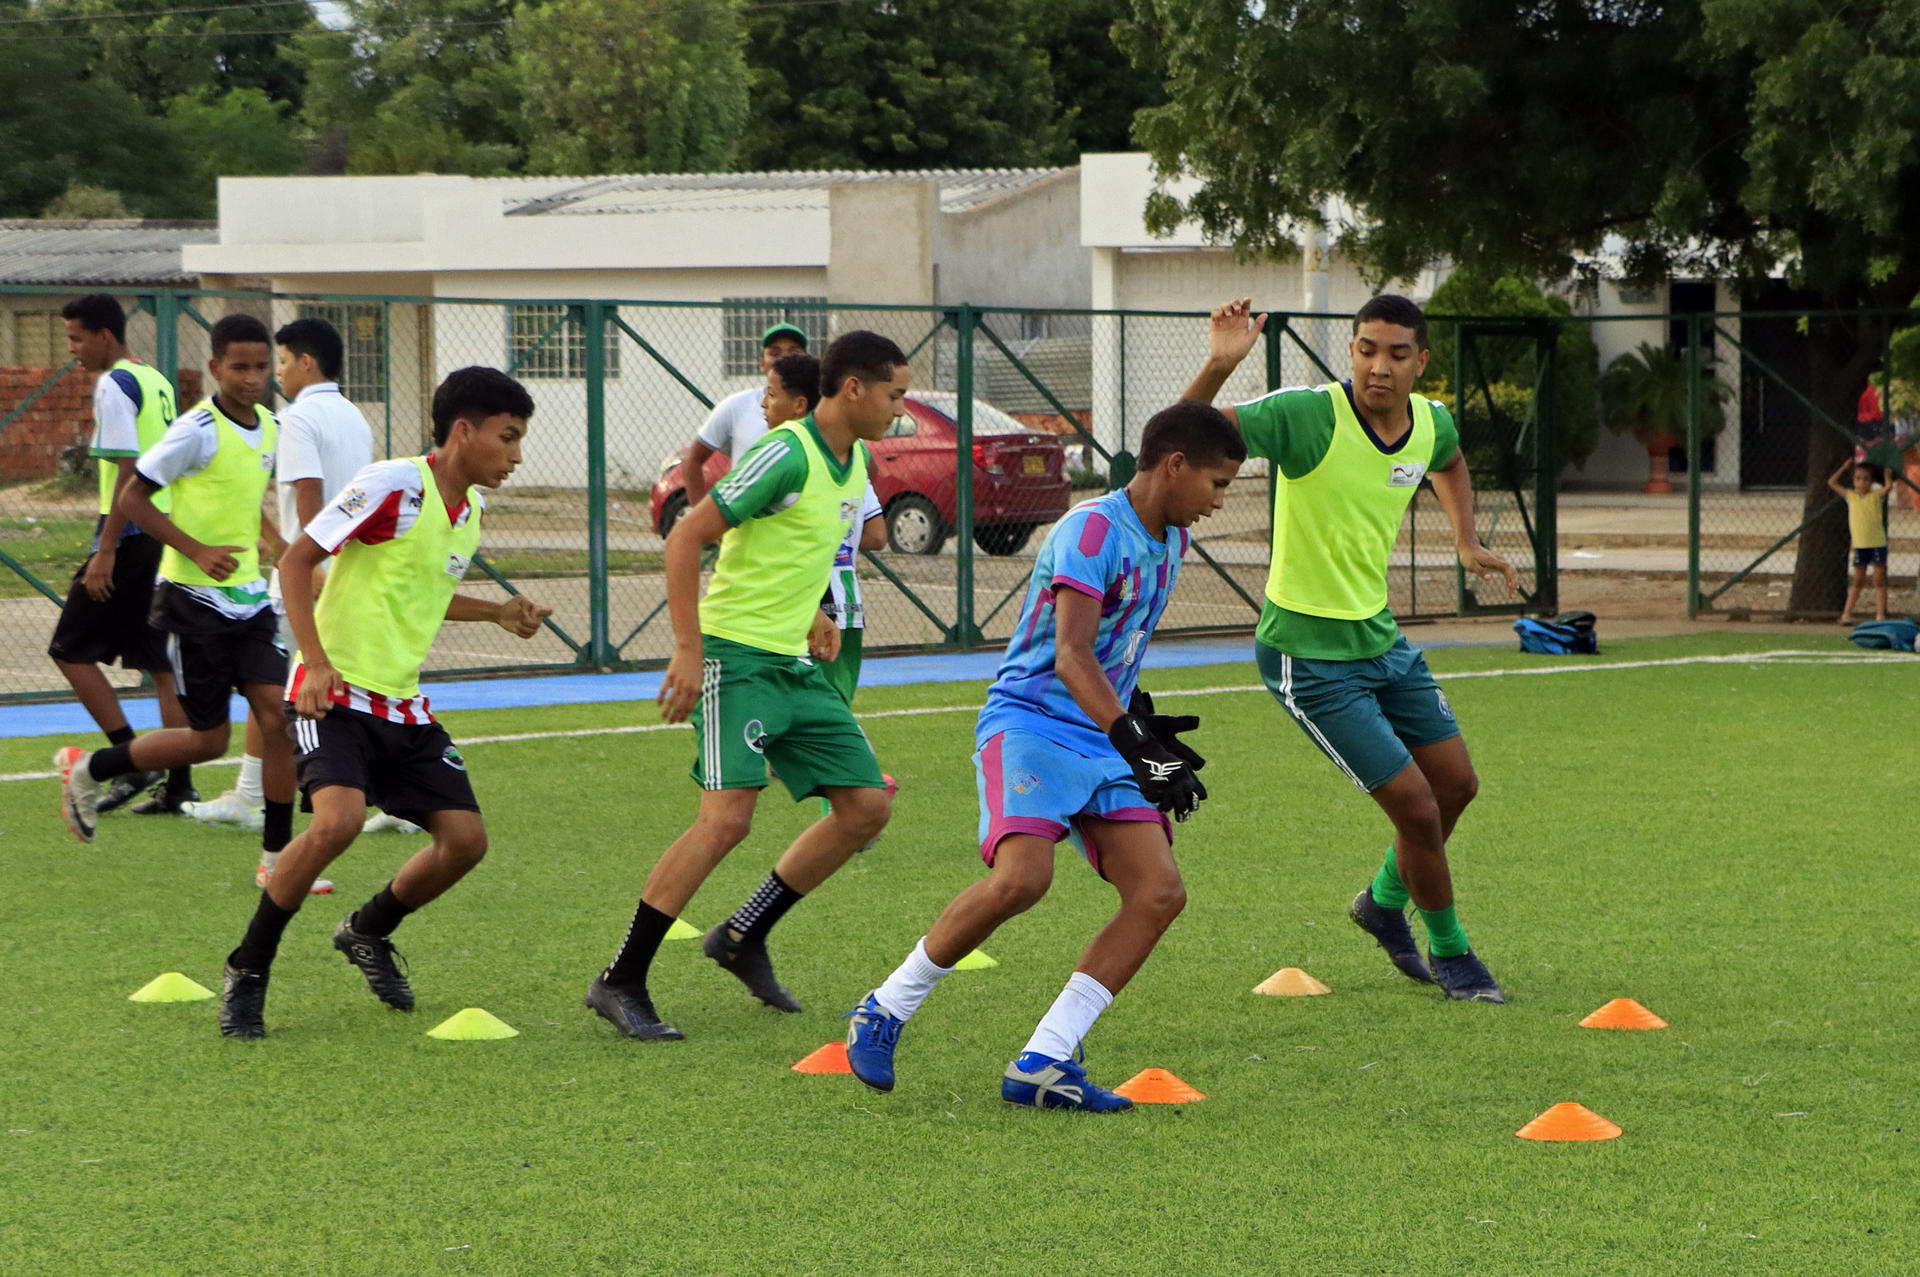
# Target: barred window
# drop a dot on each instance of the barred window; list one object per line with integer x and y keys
{"x": 547, "y": 342}
{"x": 363, "y": 331}
{"x": 745, "y": 318}
{"x": 39, "y": 339}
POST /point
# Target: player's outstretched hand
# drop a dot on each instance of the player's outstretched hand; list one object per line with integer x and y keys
{"x": 680, "y": 686}
{"x": 1165, "y": 779}
{"x": 1232, "y": 331}
{"x": 1482, "y": 562}
{"x": 520, "y": 616}
{"x": 1167, "y": 727}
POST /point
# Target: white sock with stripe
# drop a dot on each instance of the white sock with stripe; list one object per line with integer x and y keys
{"x": 1070, "y": 1018}
{"x": 903, "y": 992}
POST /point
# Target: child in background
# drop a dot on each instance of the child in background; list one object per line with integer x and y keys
{"x": 1867, "y": 522}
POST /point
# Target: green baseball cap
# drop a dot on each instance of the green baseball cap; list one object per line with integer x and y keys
{"x": 783, "y": 330}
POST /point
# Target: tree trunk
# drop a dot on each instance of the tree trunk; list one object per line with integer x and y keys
{"x": 1844, "y": 351}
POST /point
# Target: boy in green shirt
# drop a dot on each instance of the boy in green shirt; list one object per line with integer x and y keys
{"x": 741, "y": 669}
{"x": 1347, "y": 459}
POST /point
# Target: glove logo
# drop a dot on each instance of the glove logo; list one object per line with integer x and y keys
{"x": 1163, "y": 771}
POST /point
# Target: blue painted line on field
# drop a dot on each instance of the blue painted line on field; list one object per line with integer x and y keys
{"x": 592, "y": 689}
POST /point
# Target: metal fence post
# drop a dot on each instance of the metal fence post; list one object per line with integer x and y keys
{"x": 598, "y": 650}
{"x": 166, "y": 339}
{"x": 964, "y": 633}
{"x": 1693, "y": 466}
{"x": 1546, "y": 476}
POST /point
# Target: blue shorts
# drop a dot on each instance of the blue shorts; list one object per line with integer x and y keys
{"x": 1871, "y": 557}
{"x": 1030, "y": 785}
{"x": 1364, "y": 715}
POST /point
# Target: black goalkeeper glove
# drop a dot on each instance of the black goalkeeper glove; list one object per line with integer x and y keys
{"x": 1167, "y": 728}
{"x": 1165, "y": 779}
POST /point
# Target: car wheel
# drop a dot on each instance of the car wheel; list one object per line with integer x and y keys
{"x": 670, "y": 511}
{"x": 914, "y": 526}
{"x": 1005, "y": 538}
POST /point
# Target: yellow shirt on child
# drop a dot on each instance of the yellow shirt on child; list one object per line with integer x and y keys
{"x": 1864, "y": 518}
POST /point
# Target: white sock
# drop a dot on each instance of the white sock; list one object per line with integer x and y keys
{"x": 910, "y": 983}
{"x": 1069, "y": 1018}
{"x": 268, "y": 859}
{"x": 248, "y": 785}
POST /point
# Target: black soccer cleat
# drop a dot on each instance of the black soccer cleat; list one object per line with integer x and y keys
{"x": 1389, "y": 927}
{"x": 375, "y": 955}
{"x": 243, "y": 1003}
{"x": 748, "y": 962}
{"x": 160, "y": 801}
{"x": 1465, "y": 978}
{"x": 125, "y": 789}
{"x": 631, "y": 1013}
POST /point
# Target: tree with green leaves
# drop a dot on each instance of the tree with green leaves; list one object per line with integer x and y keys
{"x": 239, "y": 133}
{"x": 416, "y": 86}
{"x": 1714, "y": 138}
{"x": 162, "y": 49}
{"x": 933, "y": 84}
{"x": 1098, "y": 88}
{"x": 611, "y": 88}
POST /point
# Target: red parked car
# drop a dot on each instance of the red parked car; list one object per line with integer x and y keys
{"x": 1019, "y": 478}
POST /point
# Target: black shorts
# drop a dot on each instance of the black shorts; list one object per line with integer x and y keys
{"x": 409, "y": 770}
{"x": 1874, "y": 556}
{"x": 92, "y": 632}
{"x": 214, "y": 656}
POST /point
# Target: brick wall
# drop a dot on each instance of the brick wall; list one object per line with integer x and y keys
{"x": 31, "y": 443}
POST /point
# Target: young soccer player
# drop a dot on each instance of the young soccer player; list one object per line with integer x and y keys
{"x": 105, "y": 615}
{"x": 1867, "y": 525}
{"x": 1348, "y": 458}
{"x": 324, "y": 442}
{"x": 216, "y": 461}
{"x": 403, "y": 532}
{"x": 737, "y": 422}
{"x": 740, "y": 666}
{"x": 1062, "y": 753}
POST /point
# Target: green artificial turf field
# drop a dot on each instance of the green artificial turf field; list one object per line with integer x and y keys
{"x": 1727, "y": 843}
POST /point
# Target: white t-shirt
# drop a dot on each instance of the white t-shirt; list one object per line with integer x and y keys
{"x": 116, "y": 418}
{"x": 842, "y": 603}
{"x": 322, "y": 436}
{"x": 736, "y": 423}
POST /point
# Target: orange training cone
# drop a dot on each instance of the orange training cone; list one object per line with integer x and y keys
{"x": 1157, "y": 1086}
{"x": 831, "y": 1058}
{"x": 1291, "y": 982}
{"x": 1623, "y": 1013}
{"x": 1568, "y": 1122}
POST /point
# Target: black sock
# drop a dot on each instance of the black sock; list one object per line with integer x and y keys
{"x": 114, "y": 760}
{"x": 180, "y": 781}
{"x": 120, "y": 735}
{"x": 629, "y": 967}
{"x": 278, "y": 831}
{"x": 380, "y": 915}
{"x": 262, "y": 940}
{"x": 766, "y": 906}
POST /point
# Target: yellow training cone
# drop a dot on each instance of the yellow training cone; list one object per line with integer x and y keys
{"x": 473, "y": 1025}
{"x": 975, "y": 961}
{"x": 170, "y": 987}
{"x": 1291, "y": 982}
{"x": 681, "y": 931}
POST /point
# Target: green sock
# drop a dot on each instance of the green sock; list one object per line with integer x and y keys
{"x": 1388, "y": 892}
{"x": 1445, "y": 938}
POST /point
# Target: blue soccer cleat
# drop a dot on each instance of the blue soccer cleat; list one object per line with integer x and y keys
{"x": 871, "y": 1039}
{"x": 1466, "y": 978}
{"x": 1043, "y": 1083}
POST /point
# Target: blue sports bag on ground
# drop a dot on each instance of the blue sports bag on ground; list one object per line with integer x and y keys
{"x": 1898, "y": 636}
{"x": 1568, "y": 634}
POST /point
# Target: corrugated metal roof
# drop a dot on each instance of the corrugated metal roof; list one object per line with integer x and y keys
{"x": 960, "y": 189}
{"x": 117, "y": 251}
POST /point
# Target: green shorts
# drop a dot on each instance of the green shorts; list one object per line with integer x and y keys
{"x": 758, "y": 707}
{"x": 843, "y": 672}
{"x": 1364, "y": 715}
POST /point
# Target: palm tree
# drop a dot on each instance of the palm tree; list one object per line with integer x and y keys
{"x": 1644, "y": 393}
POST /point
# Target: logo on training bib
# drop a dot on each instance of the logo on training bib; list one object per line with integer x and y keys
{"x": 1407, "y": 475}
{"x": 457, "y": 566}
{"x": 451, "y": 757}
{"x": 1024, "y": 783}
{"x": 1445, "y": 706}
{"x": 755, "y": 734}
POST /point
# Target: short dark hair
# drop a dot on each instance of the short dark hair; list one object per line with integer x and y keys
{"x": 800, "y": 374}
{"x": 474, "y": 394}
{"x": 1199, "y": 430}
{"x": 862, "y": 354}
{"x": 316, "y": 337}
{"x": 98, "y": 313}
{"x": 229, "y": 329}
{"x": 1391, "y": 308}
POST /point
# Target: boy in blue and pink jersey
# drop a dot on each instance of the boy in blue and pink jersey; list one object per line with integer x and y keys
{"x": 1060, "y": 754}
